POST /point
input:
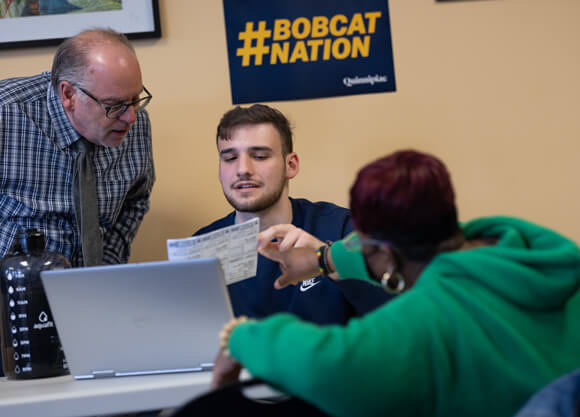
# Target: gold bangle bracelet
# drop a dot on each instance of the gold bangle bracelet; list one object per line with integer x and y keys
{"x": 227, "y": 330}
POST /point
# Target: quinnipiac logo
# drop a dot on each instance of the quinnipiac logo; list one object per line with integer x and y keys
{"x": 369, "y": 79}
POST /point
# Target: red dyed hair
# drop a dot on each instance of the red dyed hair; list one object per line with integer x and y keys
{"x": 406, "y": 198}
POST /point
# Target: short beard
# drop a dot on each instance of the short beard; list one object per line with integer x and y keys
{"x": 256, "y": 206}
{"x": 262, "y": 204}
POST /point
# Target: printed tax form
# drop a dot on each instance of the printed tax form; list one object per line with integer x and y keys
{"x": 235, "y": 246}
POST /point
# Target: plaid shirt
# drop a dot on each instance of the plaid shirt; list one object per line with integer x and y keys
{"x": 36, "y": 173}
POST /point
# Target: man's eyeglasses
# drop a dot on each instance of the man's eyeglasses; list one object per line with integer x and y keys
{"x": 117, "y": 110}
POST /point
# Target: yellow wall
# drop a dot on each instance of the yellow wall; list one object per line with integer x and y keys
{"x": 492, "y": 87}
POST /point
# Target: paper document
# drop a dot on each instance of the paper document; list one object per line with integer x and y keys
{"x": 235, "y": 246}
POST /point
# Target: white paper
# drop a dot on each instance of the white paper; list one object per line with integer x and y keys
{"x": 235, "y": 246}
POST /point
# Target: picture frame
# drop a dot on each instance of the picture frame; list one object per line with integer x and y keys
{"x": 137, "y": 19}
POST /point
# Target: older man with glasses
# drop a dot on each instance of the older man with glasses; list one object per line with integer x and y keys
{"x": 73, "y": 140}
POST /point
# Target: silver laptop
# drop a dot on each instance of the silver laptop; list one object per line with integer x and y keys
{"x": 139, "y": 319}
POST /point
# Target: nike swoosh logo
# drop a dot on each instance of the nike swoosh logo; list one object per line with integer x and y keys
{"x": 306, "y": 285}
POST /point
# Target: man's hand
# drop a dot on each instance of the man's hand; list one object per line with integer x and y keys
{"x": 288, "y": 236}
{"x": 297, "y": 264}
{"x": 225, "y": 371}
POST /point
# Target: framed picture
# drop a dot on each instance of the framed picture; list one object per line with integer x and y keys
{"x": 25, "y": 23}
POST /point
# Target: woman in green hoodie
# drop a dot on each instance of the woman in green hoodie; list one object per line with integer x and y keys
{"x": 489, "y": 311}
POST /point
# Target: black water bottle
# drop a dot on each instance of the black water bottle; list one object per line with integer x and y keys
{"x": 30, "y": 345}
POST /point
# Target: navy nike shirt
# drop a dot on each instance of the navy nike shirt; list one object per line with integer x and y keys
{"x": 319, "y": 300}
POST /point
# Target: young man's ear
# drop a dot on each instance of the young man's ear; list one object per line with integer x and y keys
{"x": 292, "y": 165}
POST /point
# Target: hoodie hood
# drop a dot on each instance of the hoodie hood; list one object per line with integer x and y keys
{"x": 538, "y": 268}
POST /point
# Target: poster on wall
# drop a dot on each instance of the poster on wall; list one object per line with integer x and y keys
{"x": 299, "y": 49}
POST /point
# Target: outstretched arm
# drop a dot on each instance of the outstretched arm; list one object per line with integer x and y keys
{"x": 296, "y": 252}
{"x": 288, "y": 236}
{"x": 296, "y": 264}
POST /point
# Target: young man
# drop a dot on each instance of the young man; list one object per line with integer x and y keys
{"x": 257, "y": 162}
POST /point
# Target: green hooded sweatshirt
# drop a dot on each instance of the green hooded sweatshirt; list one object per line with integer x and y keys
{"x": 480, "y": 331}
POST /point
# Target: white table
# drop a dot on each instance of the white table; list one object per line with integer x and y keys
{"x": 64, "y": 396}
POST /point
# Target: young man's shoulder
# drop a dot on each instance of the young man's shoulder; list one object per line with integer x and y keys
{"x": 318, "y": 208}
{"x": 325, "y": 220}
{"x": 218, "y": 224}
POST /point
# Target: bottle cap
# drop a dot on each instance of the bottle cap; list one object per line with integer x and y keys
{"x": 32, "y": 241}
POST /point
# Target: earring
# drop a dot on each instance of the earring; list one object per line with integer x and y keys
{"x": 393, "y": 282}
